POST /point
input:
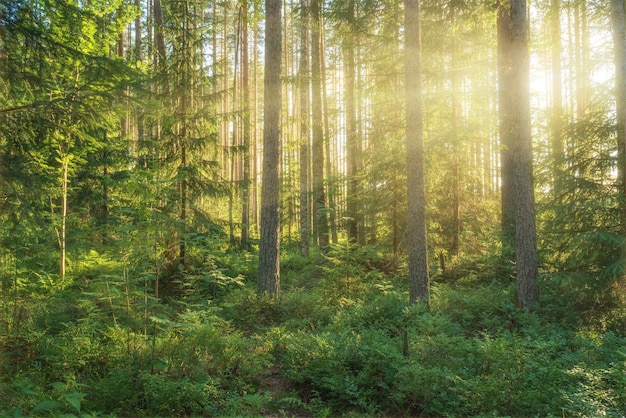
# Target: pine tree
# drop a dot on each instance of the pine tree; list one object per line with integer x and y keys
{"x": 269, "y": 246}
{"x": 416, "y": 223}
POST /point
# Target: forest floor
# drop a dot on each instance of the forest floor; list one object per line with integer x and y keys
{"x": 341, "y": 340}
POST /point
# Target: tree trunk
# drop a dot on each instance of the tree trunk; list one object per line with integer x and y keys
{"x": 158, "y": 34}
{"x": 416, "y": 222}
{"x": 304, "y": 85}
{"x": 556, "y": 117}
{"x": 505, "y": 115}
{"x": 619, "y": 38}
{"x": 269, "y": 267}
{"x": 525, "y": 229}
{"x": 245, "y": 192}
{"x": 319, "y": 196}
{"x": 63, "y": 235}
{"x": 351, "y": 134}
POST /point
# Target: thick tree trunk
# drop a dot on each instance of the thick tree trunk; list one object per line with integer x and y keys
{"x": 269, "y": 262}
{"x": 416, "y": 222}
{"x": 525, "y": 231}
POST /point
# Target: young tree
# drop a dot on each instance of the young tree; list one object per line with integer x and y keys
{"x": 416, "y": 222}
{"x": 269, "y": 246}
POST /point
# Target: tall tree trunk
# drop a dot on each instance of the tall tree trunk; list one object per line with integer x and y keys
{"x": 63, "y": 234}
{"x": 304, "y": 85}
{"x": 255, "y": 128}
{"x": 619, "y": 38}
{"x": 320, "y": 224}
{"x": 556, "y": 117}
{"x": 505, "y": 115}
{"x": 245, "y": 70}
{"x": 332, "y": 213}
{"x": 416, "y": 196}
{"x": 351, "y": 133}
{"x": 456, "y": 140}
{"x": 159, "y": 35}
{"x": 269, "y": 246}
{"x": 525, "y": 229}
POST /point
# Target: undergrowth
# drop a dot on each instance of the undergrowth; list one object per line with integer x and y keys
{"x": 340, "y": 341}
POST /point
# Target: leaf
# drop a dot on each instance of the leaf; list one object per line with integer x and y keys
{"x": 46, "y": 406}
{"x": 74, "y": 399}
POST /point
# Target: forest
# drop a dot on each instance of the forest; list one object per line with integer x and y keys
{"x": 312, "y": 208}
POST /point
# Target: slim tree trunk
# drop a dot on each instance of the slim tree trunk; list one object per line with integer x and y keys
{"x": 416, "y": 196}
{"x": 319, "y": 196}
{"x": 619, "y": 38}
{"x": 158, "y": 34}
{"x": 304, "y": 85}
{"x": 525, "y": 229}
{"x": 328, "y": 163}
{"x": 556, "y": 118}
{"x": 351, "y": 134}
{"x": 505, "y": 115}
{"x": 269, "y": 267}
{"x": 245, "y": 192}
{"x": 63, "y": 235}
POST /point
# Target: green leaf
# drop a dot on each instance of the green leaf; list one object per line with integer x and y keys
{"x": 44, "y": 406}
{"x": 74, "y": 399}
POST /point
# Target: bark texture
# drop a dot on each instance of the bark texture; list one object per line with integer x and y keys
{"x": 269, "y": 245}
{"x": 416, "y": 222}
{"x": 525, "y": 230}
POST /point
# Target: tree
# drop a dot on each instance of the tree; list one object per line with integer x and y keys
{"x": 269, "y": 246}
{"x": 320, "y": 224}
{"x": 305, "y": 83}
{"x": 245, "y": 81}
{"x": 352, "y": 144}
{"x": 505, "y": 115}
{"x": 416, "y": 223}
{"x": 619, "y": 38}
{"x": 526, "y": 261}
{"x": 556, "y": 118}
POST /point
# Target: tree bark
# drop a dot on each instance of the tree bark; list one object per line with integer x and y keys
{"x": 269, "y": 262}
{"x": 619, "y": 38}
{"x": 416, "y": 222}
{"x": 351, "y": 134}
{"x": 525, "y": 229}
{"x": 320, "y": 224}
{"x": 556, "y": 117}
{"x": 245, "y": 86}
{"x": 505, "y": 114}
{"x": 304, "y": 84}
